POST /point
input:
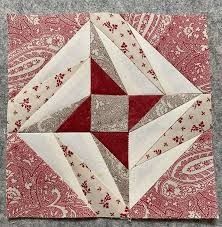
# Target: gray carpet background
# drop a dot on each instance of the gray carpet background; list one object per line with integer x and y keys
{"x": 213, "y": 8}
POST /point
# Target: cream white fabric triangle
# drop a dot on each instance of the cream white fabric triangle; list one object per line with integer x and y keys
{"x": 144, "y": 176}
{"x": 135, "y": 82}
{"x": 172, "y": 81}
{"x": 143, "y": 138}
{"x": 77, "y": 88}
{"x": 47, "y": 147}
{"x": 85, "y": 147}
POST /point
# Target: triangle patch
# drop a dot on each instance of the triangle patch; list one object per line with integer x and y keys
{"x": 116, "y": 143}
{"x": 79, "y": 120}
{"x": 139, "y": 105}
{"x": 101, "y": 83}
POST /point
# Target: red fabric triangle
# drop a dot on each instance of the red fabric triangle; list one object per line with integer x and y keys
{"x": 79, "y": 120}
{"x": 116, "y": 143}
{"x": 101, "y": 83}
{"x": 139, "y": 105}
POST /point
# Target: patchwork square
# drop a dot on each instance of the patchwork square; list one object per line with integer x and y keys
{"x": 109, "y": 115}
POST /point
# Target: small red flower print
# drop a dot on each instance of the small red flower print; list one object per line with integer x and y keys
{"x": 124, "y": 47}
{"x": 142, "y": 53}
{"x": 59, "y": 79}
{"x": 47, "y": 87}
{"x": 35, "y": 88}
{"x": 121, "y": 34}
{"x": 180, "y": 120}
{"x": 66, "y": 151}
{"x": 112, "y": 214}
{"x": 190, "y": 117}
{"x": 151, "y": 72}
{"x": 199, "y": 127}
{"x": 99, "y": 189}
{"x": 197, "y": 104}
{"x": 105, "y": 201}
{"x": 18, "y": 123}
{"x": 85, "y": 188}
{"x": 178, "y": 139}
{"x": 69, "y": 70}
{"x": 83, "y": 165}
{"x": 38, "y": 96}
{"x": 158, "y": 151}
{"x": 26, "y": 104}
{"x": 125, "y": 214}
{"x": 111, "y": 27}
{"x": 130, "y": 32}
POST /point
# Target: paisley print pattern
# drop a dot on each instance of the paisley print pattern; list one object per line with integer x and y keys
{"x": 182, "y": 40}
{"x": 186, "y": 190}
{"x": 34, "y": 40}
{"x": 34, "y": 189}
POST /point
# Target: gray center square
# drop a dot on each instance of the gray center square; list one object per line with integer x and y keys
{"x": 109, "y": 113}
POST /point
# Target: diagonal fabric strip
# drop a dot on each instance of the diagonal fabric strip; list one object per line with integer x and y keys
{"x": 22, "y": 107}
{"x": 103, "y": 202}
{"x": 196, "y": 120}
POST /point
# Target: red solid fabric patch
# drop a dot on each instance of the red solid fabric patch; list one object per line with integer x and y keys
{"x": 101, "y": 83}
{"x": 79, "y": 120}
{"x": 115, "y": 142}
{"x": 139, "y": 105}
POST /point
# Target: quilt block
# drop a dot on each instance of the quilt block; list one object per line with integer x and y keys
{"x": 109, "y": 115}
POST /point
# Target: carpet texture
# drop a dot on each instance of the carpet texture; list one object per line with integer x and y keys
{"x": 213, "y": 8}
